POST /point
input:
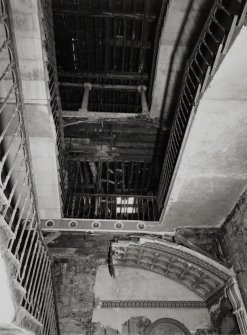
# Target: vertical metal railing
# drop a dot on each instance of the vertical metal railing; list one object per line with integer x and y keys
{"x": 111, "y": 207}
{"x": 17, "y": 195}
{"x": 202, "y": 64}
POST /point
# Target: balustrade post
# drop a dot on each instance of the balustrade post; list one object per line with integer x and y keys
{"x": 234, "y": 295}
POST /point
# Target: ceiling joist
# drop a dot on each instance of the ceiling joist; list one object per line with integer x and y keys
{"x": 104, "y": 75}
{"x": 105, "y": 14}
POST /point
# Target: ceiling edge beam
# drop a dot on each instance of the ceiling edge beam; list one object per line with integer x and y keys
{"x": 97, "y": 115}
{"x": 128, "y": 118}
{"x": 103, "y": 86}
{"x": 110, "y": 14}
{"x": 97, "y": 225}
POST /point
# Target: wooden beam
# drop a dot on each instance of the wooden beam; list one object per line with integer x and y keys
{"x": 87, "y": 88}
{"x": 105, "y": 158}
{"x": 144, "y": 179}
{"x": 119, "y": 108}
{"x": 102, "y": 86}
{"x": 132, "y": 48}
{"x": 124, "y": 44}
{"x": 89, "y": 60}
{"x": 111, "y": 195}
{"x": 111, "y": 14}
{"x": 142, "y": 90}
{"x": 93, "y": 171}
{"x": 95, "y": 29}
{"x": 129, "y": 43}
{"x": 114, "y": 49}
{"x": 97, "y": 115}
{"x": 132, "y": 120}
{"x": 105, "y": 75}
{"x": 107, "y": 47}
{"x": 107, "y": 176}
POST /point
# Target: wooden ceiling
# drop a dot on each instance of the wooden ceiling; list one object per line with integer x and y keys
{"x": 105, "y": 42}
{"x": 128, "y": 140}
{"x": 109, "y": 42}
{"x": 113, "y": 43}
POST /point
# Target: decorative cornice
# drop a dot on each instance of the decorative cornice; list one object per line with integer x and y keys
{"x": 151, "y": 304}
{"x": 181, "y": 252}
{"x": 190, "y": 255}
{"x": 195, "y": 271}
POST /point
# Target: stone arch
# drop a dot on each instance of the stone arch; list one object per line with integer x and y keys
{"x": 197, "y": 272}
{"x": 201, "y": 274}
{"x": 168, "y": 325}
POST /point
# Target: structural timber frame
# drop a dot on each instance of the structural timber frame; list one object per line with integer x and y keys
{"x": 84, "y": 112}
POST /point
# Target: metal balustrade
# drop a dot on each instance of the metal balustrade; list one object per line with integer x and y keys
{"x": 213, "y": 42}
{"x": 19, "y": 217}
{"x": 55, "y": 103}
{"x": 112, "y": 207}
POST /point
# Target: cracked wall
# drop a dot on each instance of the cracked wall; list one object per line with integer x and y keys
{"x": 223, "y": 320}
{"x": 82, "y": 282}
{"x": 235, "y": 235}
{"x": 132, "y": 284}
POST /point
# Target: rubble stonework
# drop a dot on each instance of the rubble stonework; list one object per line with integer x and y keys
{"x": 234, "y": 230}
{"x": 74, "y": 281}
{"x": 136, "y": 325}
{"x": 222, "y": 317}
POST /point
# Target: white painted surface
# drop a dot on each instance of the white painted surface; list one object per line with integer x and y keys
{"x": 138, "y": 284}
{"x": 40, "y": 124}
{"x": 179, "y": 27}
{"x": 7, "y": 308}
{"x": 213, "y": 170}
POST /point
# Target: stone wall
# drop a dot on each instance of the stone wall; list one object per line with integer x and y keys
{"x": 234, "y": 230}
{"x": 223, "y": 320}
{"x": 133, "y": 326}
{"x": 74, "y": 276}
{"x": 82, "y": 282}
{"x": 74, "y": 282}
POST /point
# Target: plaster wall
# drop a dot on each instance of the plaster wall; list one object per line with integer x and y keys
{"x": 212, "y": 172}
{"x": 235, "y": 236}
{"x": 138, "y": 284}
{"x": 82, "y": 282}
{"x": 40, "y": 125}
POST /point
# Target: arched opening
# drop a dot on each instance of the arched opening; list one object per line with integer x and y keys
{"x": 167, "y": 326}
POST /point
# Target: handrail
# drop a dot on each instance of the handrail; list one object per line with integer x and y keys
{"x": 201, "y": 66}
{"x": 111, "y": 206}
{"x": 18, "y": 204}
